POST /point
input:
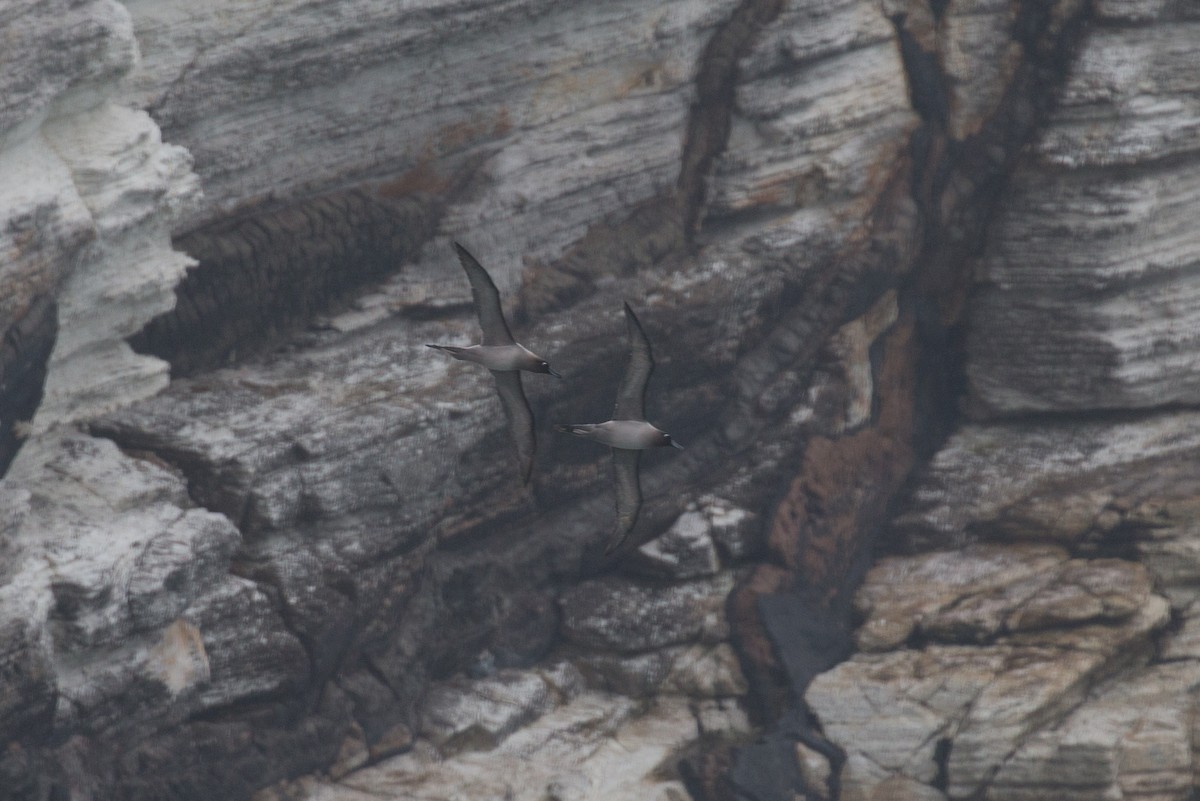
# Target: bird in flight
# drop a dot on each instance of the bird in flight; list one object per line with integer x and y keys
{"x": 504, "y": 356}
{"x": 627, "y": 433}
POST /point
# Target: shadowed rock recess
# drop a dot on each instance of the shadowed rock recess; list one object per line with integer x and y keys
{"x": 920, "y": 279}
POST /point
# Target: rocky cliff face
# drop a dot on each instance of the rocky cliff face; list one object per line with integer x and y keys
{"x": 917, "y": 276}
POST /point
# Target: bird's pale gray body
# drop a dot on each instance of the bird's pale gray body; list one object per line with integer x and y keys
{"x": 628, "y": 433}
{"x": 633, "y": 435}
{"x": 497, "y": 357}
{"x": 504, "y": 356}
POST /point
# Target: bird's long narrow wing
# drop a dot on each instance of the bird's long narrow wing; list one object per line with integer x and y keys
{"x": 520, "y": 418}
{"x": 631, "y": 397}
{"x": 487, "y": 300}
{"x": 629, "y": 495}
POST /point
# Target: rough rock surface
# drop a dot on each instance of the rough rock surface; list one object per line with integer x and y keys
{"x": 623, "y": 616}
{"x": 832, "y": 217}
{"x": 595, "y": 746}
{"x": 1116, "y": 175}
{"x": 998, "y": 655}
{"x": 1050, "y": 653}
{"x": 89, "y": 196}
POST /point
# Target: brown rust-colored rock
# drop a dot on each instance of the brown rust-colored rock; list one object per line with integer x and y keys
{"x": 845, "y": 483}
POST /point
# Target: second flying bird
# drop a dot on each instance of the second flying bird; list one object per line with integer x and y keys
{"x": 504, "y": 356}
{"x": 628, "y": 433}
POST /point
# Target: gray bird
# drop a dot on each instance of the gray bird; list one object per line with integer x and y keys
{"x": 628, "y": 433}
{"x": 504, "y": 356}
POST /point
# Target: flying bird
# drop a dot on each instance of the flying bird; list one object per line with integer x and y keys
{"x": 504, "y": 356}
{"x": 627, "y": 433}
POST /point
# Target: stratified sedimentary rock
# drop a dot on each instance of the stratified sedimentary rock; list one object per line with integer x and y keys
{"x": 1069, "y": 529}
{"x": 317, "y": 558}
{"x": 1089, "y": 293}
{"x": 90, "y": 195}
{"x": 998, "y": 655}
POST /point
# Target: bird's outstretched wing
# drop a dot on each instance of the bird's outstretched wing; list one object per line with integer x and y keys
{"x": 631, "y": 397}
{"x": 487, "y": 300}
{"x": 520, "y": 418}
{"x": 629, "y": 495}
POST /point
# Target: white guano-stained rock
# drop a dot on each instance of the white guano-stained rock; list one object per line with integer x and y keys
{"x": 685, "y": 550}
{"x": 88, "y": 199}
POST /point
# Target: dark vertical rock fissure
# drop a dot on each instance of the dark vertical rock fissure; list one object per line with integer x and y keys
{"x": 711, "y": 115}
{"x": 24, "y": 353}
{"x": 955, "y": 187}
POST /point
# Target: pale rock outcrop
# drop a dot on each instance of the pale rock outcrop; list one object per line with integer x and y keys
{"x": 1008, "y": 654}
{"x": 91, "y": 194}
{"x": 1133, "y": 740}
{"x": 1089, "y": 296}
{"x": 128, "y": 605}
{"x": 88, "y": 198}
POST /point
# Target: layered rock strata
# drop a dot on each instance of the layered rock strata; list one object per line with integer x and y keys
{"x": 89, "y": 196}
{"x": 319, "y": 557}
{"x": 1038, "y": 640}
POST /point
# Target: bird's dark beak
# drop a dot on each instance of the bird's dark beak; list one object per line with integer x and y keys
{"x": 553, "y": 372}
{"x": 675, "y": 444}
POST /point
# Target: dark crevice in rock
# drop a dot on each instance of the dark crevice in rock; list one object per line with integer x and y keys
{"x": 271, "y": 586}
{"x": 957, "y": 187}
{"x": 207, "y": 488}
{"x": 24, "y": 351}
{"x": 261, "y": 275}
{"x": 927, "y": 82}
{"x": 941, "y": 758}
{"x": 1174, "y": 627}
{"x": 705, "y": 773}
{"x": 661, "y": 226}
{"x": 711, "y": 115}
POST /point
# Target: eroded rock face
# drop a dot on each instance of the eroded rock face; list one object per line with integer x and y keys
{"x": 320, "y": 557}
{"x": 1021, "y": 649}
{"x": 1011, "y": 643}
{"x": 1060, "y": 328}
{"x": 90, "y": 193}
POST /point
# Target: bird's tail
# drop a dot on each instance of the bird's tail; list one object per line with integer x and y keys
{"x": 580, "y": 430}
{"x": 451, "y": 349}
